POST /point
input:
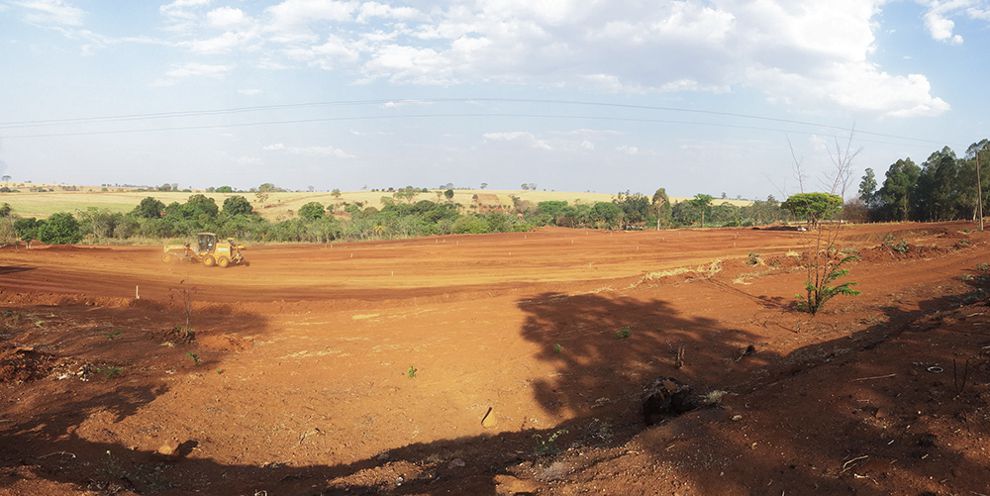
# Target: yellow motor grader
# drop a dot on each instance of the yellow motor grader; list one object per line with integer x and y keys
{"x": 208, "y": 251}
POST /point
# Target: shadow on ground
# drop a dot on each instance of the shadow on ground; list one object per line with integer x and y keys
{"x": 604, "y": 348}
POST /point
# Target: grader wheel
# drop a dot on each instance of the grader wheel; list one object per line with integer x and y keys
{"x": 209, "y": 261}
{"x": 168, "y": 258}
{"x": 223, "y": 262}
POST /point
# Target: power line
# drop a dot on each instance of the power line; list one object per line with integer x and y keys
{"x": 417, "y": 116}
{"x": 261, "y": 108}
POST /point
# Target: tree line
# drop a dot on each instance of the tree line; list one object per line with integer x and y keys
{"x": 399, "y": 216}
{"x": 943, "y": 187}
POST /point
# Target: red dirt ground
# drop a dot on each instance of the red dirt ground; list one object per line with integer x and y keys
{"x": 296, "y": 379}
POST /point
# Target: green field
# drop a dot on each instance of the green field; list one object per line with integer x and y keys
{"x": 278, "y": 205}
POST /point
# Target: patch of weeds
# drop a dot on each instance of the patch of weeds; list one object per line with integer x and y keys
{"x": 962, "y": 243}
{"x": 599, "y": 431}
{"x": 713, "y": 398}
{"x": 109, "y": 371}
{"x": 546, "y": 446}
{"x": 182, "y": 334}
{"x": 220, "y": 371}
{"x": 113, "y": 334}
{"x": 967, "y": 277}
{"x": 194, "y": 357}
{"x": 411, "y": 372}
{"x": 623, "y": 333}
{"x": 983, "y": 267}
{"x": 558, "y": 349}
{"x": 754, "y": 259}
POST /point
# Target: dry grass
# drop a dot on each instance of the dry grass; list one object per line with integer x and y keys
{"x": 277, "y": 206}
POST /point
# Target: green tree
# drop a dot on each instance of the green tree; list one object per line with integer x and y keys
{"x": 407, "y": 194}
{"x": 938, "y": 187}
{"x": 5, "y": 210}
{"x": 868, "y": 188}
{"x": 149, "y": 208}
{"x": 237, "y": 205}
{"x": 200, "y": 205}
{"x": 448, "y": 194}
{"x": 224, "y": 189}
{"x": 60, "y": 229}
{"x": 99, "y": 223}
{"x": 703, "y": 204}
{"x": 312, "y": 211}
{"x": 605, "y": 214}
{"x": 898, "y": 190}
{"x": 27, "y": 229}
{"x": 662, "y": 208}
{"x": 335, "y": 194}
{"x": 813, "y": 207}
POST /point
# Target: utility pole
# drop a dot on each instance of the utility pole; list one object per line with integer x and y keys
{"x": 979, "y": 190}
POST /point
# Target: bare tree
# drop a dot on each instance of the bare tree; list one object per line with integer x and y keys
{"x": 798, "y": 172}
{"x": 842, "y": 158}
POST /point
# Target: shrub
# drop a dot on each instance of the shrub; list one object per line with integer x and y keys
{"x": 237, "y": 205}
{"x": 311, "y": 211}
{"x": 60, "y": 229}
{"x": 149, "y": 208}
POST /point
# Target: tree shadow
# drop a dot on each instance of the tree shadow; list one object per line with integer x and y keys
{"x": 604, "y": 350}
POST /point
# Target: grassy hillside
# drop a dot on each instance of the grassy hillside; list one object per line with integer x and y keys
{"x": 278, "y": 205}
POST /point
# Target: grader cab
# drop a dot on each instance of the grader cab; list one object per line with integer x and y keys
{"x": 208, "y": 251}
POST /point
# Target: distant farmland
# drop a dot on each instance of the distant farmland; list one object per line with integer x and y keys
{"x": 277, "y": 205}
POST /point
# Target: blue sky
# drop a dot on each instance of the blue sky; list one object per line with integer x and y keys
{"x": 470, "y": 92}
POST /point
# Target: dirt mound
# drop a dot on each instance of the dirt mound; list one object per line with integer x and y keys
{"x": 24, "y": 364}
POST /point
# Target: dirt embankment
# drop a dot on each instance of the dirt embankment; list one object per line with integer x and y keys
{"x": 505, "y": 363}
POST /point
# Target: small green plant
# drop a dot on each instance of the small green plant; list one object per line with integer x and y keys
{"x": 411, "y": 372}
{"x": 899, "y": 246}
{"x": 557, "y": 348}
{"x": 194, "y": 357}
{"x": 110, "y": 371}
{"x": 623, "y": 333}
{"x": 962, "y": 243}
{"x": 113, "y": 334}
{"x": 826, "y": 269}
{"x": 548, "y": 446}
{"x": 983, "y": 267}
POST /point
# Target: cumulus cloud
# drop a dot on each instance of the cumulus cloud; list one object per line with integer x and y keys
{"x": 628, "y": 150}
{"x": 226, "y": 17}
{"x": 794, "y": 52}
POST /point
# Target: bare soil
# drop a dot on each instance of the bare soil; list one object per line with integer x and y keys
{"x": 499, "y": 364}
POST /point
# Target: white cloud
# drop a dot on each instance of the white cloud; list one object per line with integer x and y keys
{"x": 51, "y": 12}
{"x": 226, "y": 17}
{"x": 522, "y": 137}
{"x": 311, "y": 151}
{"x": 628, "y": 150}
{"x": 249, "y": 91}
{"x": 193, "y": 70}
{"x": 795, "y": 52}
{"x": 222, "y": 43}
{"x": 940, "y": 13}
